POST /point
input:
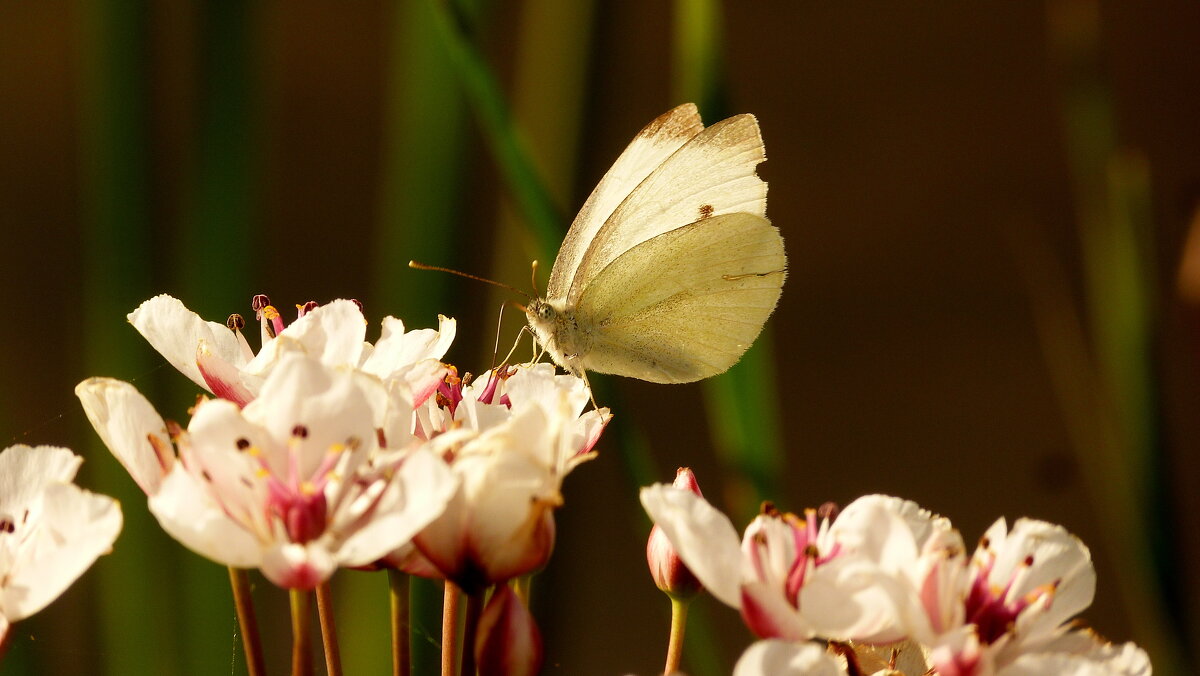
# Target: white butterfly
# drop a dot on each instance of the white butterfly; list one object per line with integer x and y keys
{"x": 671, "y": 267}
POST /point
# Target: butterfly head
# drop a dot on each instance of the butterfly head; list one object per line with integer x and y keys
{"x": 540, "y": 313}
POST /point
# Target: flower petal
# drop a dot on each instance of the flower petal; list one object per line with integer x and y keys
{"x": 295, "y": 566}
{"x": 784, "y": 658}
{"x": 75, "y": 527}
{"x": 333, "y": 333}
{"x": 175, "y": 331}
{"x": 126, "y": 422}
{"x": 418, "y": 495}
{"x": 397, "y": 350}
{"x": 704, "y": 537}
{"x": 26, "y": 471}
{"x": 188, "y": 513}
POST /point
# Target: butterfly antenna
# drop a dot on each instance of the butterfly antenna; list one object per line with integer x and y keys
{"x": 533, "y": 274}
{"x": 422, "y": 266}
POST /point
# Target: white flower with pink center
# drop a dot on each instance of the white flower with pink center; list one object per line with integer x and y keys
{"x": 1007, "y": 609}
{"x": 297, "y": 483}
{"x": 218, "y": 358}
{"x": 796, "y": 578}
{"x": 51, "y": 531}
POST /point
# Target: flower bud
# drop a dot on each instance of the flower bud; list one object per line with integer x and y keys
{"x": 668, "y": 570}
{"x": 509, "y": 643}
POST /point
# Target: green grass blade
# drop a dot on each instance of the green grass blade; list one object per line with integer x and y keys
{"x": 133, "y": 582}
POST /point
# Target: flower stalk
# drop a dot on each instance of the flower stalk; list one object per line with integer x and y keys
{"x": 333, "y": 659}
{"x": 450, "y": 629}
{"x": 301, "y": 602}
{"x": 470, "y": 631}
{"x": 679, "y": 610}
{"x": 400, "y": 593}
{"x": 243, "y": 602}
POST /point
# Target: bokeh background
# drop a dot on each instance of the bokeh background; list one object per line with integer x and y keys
{"x": 986, "y": 208}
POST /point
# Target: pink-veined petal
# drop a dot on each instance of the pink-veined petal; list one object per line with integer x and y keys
{"x": 175, "y": 331}
{"x": 295, "y": 566}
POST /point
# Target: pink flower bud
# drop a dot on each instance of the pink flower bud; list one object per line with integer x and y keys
{"x": 508, "y": 643}
{"x": 668, "y": 570}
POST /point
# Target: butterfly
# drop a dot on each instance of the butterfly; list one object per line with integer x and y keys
{"x": 671, "y": 268}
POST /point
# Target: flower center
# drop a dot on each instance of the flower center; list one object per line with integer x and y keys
{"x": 299, "y": 503}
{"x": 993, "y": 609}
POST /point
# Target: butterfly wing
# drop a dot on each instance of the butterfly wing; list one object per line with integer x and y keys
{"x": 653, "y": 145}
{"x": 709, "y": 175}
{"x": 686, "y": 304}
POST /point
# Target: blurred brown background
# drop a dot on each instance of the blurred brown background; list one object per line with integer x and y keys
{"x": 935, "y": 168}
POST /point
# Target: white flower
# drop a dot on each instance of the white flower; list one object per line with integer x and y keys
{"x": 796, "y": 578}
{"x": 512, "y": 439}
{"x": 296, "y": 483}
{"x": 51, "y": 531}
{"x": 1009, "y": 603}
{"x": 218, "y": 358}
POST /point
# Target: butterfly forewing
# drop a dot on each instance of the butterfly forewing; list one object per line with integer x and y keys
{"x": 686, "y": 304}
{"x": 649, "y": 149}
{"x": 709, "y": 175}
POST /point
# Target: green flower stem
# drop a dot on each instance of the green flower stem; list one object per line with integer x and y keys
{"x": 301, "y": 636}
{"x": 450, "y": 629}
{"x": 679, "y": 610}
{"x": 333, "y": 659}
{"x": 243, "y": 601}
{"x": 400, "y": 593}
{"x": 470, "y": 629}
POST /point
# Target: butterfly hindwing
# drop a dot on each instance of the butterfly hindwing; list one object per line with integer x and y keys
{"x": 685, "y": 304}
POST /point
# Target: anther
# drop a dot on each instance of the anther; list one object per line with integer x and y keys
{"x": 235, "y": 322}
{"x": 828, "y": 510}
{"x": 243, "y": 443}
{"x": 259, "y": 302}
{"x": 300, "y": 431}
{"x": 308, "y": 307}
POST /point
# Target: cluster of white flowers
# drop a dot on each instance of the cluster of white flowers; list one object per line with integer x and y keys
{"x": 886, "y": 587}
{"x": 325, "y": 451}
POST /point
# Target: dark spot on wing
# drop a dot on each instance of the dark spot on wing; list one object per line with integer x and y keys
{"x": 706, "y": 210}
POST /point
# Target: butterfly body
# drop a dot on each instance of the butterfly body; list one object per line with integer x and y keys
{"x": 671, "y": 267}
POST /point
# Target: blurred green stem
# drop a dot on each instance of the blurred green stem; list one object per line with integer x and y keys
{"x": 487, "y": 99}
{"x": 333, "y": 660}
{"x": 243, "y": 601}
{"x": 301, "y": 604}
{"x": 679, "y": 613}
{"x": 400, "y": 595}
